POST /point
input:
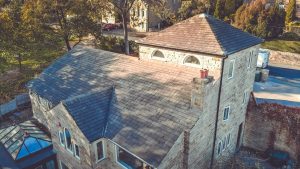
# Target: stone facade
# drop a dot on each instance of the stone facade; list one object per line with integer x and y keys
{"x": 193, "y": 148}
{"x": 142, "y": 18}
{"x": 178, "y": 57}
{"x": 204, "y": 99}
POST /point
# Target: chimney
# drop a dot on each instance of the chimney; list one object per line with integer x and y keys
{"x": 200, "y": 90}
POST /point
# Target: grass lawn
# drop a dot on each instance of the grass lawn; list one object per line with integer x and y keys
{"x": 12, "y": 81}
{"x": 282, "y": 45}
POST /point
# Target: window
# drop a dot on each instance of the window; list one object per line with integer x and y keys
{"x": 76, "y": 151}
{"x": 99, "y": 151}
{"x": 143, "y": 12}
{"x": 231, "y": 69}
{"x": 158, "y": 54}
{"x": 249, "y": 61}
{"x": 223, "y": 144}
{"x": 219, "y": 148}
{"x": 228, "y": 140}
{"x": 63, "y": 166}
{"x": 61, "y": 138}
{"x": 127, "y": 160}
{"x": 68, "y": 140}
{"x": 226, "y": 113}
{"x": 245, "y": 97}
{"x": 192, "y": 60}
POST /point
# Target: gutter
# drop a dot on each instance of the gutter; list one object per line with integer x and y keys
{"x": 218, "y": 112}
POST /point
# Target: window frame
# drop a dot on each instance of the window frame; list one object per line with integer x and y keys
{"x": 219, "y": 148}
{"x": 191, "y": 64}
{"x": 230, "y": 76}
{"x": 70, "y": 150}
{"x": 228, "y": 139}
{"x": 229, "y": 109}
{"x": 158, "y": 58}
{"x": 245, "y": 96}
{"x": 60, "y": 165}
{"x": 61, "y": 136}
{"x": 77, "y": 156}
{"x": 117, "y": 157}
{"x": 103, "y": 151}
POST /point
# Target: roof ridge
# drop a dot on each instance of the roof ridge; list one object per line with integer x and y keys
{"x": 109, "y": 108}
{"x": 74, "y": 98}
{"x": 207, "y": 17}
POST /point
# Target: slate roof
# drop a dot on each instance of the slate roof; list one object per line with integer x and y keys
{"x": 149, "y": 104}
{"x": 202, "y": 33}
{"x": 90, "y": 112}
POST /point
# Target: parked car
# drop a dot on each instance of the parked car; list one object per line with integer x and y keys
{"x": 109, "y": 26}
{"x": 263, "y": 58}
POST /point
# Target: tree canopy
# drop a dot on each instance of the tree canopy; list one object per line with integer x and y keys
{"x": 264, "y": 22}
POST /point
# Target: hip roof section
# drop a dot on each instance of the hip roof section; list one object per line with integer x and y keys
{"x": 204, "y": 34}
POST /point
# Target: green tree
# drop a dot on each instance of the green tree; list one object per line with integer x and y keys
{"x": 263, "y": 22}
{"x": 22, "y": 33}
{"x": 290, "y": 12}
{"x": 229, "y": 7}
{"x": 218, "y": 13}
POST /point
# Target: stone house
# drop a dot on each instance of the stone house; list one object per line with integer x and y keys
{"x": 107, "y": 110}
{"x": 143, "y": 18}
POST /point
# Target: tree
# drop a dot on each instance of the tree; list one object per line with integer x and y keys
{"x": 72, "y": 18}
{"x": 123, "y": 7}
{"x": 290, "y": 12}
{"x": 219, "y": 10}
{"x": 263, "y": 22}
{"x": 229, "y": 7}
{"x": 22, "y": 33}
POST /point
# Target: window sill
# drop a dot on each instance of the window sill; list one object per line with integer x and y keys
{"x": 98, "y": 161}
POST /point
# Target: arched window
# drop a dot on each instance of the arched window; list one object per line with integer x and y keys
{"x": 191, "y": 60}
{"x": 158, "y": 54}
{"x": 68, "y": 140}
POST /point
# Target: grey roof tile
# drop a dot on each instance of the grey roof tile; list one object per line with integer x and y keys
{"x": 145, "y": 111}
{"x": 205, "y": 34}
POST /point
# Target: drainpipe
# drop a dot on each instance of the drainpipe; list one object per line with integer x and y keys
{"x": 217, "y": 115}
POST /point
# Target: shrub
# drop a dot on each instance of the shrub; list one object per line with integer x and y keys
{"x": 115, "y": 44}
{"x": 290, "y": 36}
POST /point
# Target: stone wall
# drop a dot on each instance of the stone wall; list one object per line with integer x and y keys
{"x": 178, "y": 57}
{"x": 202, "y": 134}
{"x": 273, "y": 126}
{"x": 232, "y": 95}
{"x": 174, "y": 158}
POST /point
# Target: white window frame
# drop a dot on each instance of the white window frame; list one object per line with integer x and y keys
{"x": 191, "y": 64}
{"x": 228, "y": 114}
{"x": 228, "y": 139}
{"x": 60, "y": 164}
{"x": 69, "y": 150}
{"x": 60, "y": 133}
{"x": 158, "y": 58}
{"x": 249, "y": 62}
{"x": 74, "y": 147}
{"x": 230, "y": 76}
{"x": 245, "y": 96}
{"x": 96, "y": 153}
{"x": 219, "y": 146}
{"x": 117, "y": 156}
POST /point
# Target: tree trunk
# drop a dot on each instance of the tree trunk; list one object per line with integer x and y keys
{"x": 124, "y": 18}
{"x": 67, "y": 43}
{"x": 19, "y": 58}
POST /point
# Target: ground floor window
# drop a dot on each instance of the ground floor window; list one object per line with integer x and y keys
{"x": 127, "y": 160}
{"x": 63, "y": 166}
{"x": 100, "y": 151}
